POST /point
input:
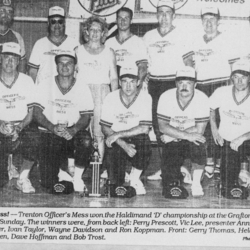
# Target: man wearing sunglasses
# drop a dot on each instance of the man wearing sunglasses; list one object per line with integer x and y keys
{"x": 41, "y": 63}
{"x": 9, "y": 35}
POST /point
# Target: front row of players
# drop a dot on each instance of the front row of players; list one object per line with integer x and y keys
{"x": 62, "y": 107}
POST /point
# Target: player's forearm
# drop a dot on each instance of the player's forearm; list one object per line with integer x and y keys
{"x": 83, "y": 122}
{"x": 213, "y": 120}
{"x": 107, "y": 131}
{"x": 142, "y": 71}
{"x": 27, "y": 120}
{"x": 138, "y": 130}
{"x": 171, "y": 131}
{"x": 114, "y": 84}
{"x": 41, "y": 119}
{"x": 246, "y": 136}
{"x": 33, "y": 73}
{"x": 198, "y": 128}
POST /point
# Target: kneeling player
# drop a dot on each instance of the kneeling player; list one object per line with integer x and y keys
{"x": 183, "y": 114}
{"x": 126, "y": 120}
{"x": 64, "y": 107}
{"x": 233, "y": 134}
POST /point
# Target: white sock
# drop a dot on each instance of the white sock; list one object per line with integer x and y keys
{"x": 135, "y": 174}
{"x": 25, "y": 169}
{"x": 78, "y": 173}
{"x": 197, "y": 173}
{"x": 210, "y": 166}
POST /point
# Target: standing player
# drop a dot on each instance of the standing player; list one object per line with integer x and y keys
{"x": 233, "y": 134}
{"x": 16, "y": 93}
{"x": 126, "y": 120}
{"x": 9, "y": 35}
{"x": 41, "y": 63}
{"x": 64, "y": 107}
{"x": 129, "y": 48}
{"x": 211, "y": 58}
{"x": 183, "y": 114}
{"x": 165, "y": 47}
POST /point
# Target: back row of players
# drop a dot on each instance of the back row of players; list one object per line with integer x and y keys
{"x": 125, "y": 116}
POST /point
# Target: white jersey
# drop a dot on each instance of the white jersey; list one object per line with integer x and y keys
{"x": 169, "y": 109}
{"x": 94, "y": 69}
{"x": 15, "y": 99}
{"x": 234, "y": 115}
{"x": 43, "y": 55}
{"x": 119, "y": 116}
{"x": 165, "y": 53}
{"x": 131, "y": 51}
{"x": 212, "y": 59}
{"x": 64, "y": 105}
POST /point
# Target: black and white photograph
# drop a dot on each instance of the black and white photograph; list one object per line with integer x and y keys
{"x": 124, "y": 124}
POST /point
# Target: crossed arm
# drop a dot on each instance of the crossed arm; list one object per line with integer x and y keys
{"x": 235, "y": 144}
{"x": 117, "y": 137}
{"x": 193, "y": 134}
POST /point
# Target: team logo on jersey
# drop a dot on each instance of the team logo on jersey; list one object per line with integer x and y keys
{"x": 204, "y": 54}
{"x": 182, "y": 124}
{"x": 61, "y": 106}
{"x": 160, "y": 46}
{"x": 120, "y": 54}
{"x": 177, "y": 3}
{"x": 123, "y": 118}
{"x": 237, "y": 116}
{"x": 102, "y": 7}
{"x": 10, "y": 100}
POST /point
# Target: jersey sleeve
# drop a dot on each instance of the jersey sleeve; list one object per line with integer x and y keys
{"x": 107, "y": 112}
{"x": 21, "y": 43}
{"x": 162, "y": 110}
{"x": 142, "y": 56}
{"x": 34, "y": 60}
{"x": 86, "y": 101}
{"x": 146, "y": 118}
{"x": 38, "y": 99}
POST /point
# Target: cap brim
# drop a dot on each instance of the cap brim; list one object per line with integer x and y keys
{"x": 11, "y": 53}
{"x": 129, "y": 75}
{"x": 182, "y": 78}
{"x": 57, "y": 15}
{"x": 240, "y": 71}
{"x": 58, "y": 56}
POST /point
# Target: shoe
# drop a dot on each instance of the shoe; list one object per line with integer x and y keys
{"x": 138, "y": 186}
{"x": 104, "y": 174}
{"x": 244, "y": 178}
{"x": 155, "y": 177}
{"x": 175, "y": 191}
{"x": 25, "y": 186}
{"x": 197, "y": 190}
{"x": 187, "y": 175}
{"x": 12, "y": 172}
{"x": 79, "y": 186}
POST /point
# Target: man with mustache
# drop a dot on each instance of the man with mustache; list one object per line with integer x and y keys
{"x": 183, "y": 113}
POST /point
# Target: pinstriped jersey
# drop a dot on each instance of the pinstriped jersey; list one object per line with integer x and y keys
{"x": 119, "y": 116}
{"x": 165, "y": 53}
{"x": 170, "y": 109}
{"x": 16, "y": 98}
{"x": 13, "y": 36}
{"x": 131, "y": 51}
{"x": 60, "y": 104}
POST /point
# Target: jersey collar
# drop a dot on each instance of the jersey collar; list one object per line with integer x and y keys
{"x": 243, "y": 100}
{"x": 3, "y": 34}
{"x": 131, "y": 35}
{"x": 64, "y": 91}
{"x": 9, "y": 86}
{"x": 170, "y": 30}
{"x": 130, "y": 104}
{"x": 58, "y": 44}
{"x": 178, "y": 101}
